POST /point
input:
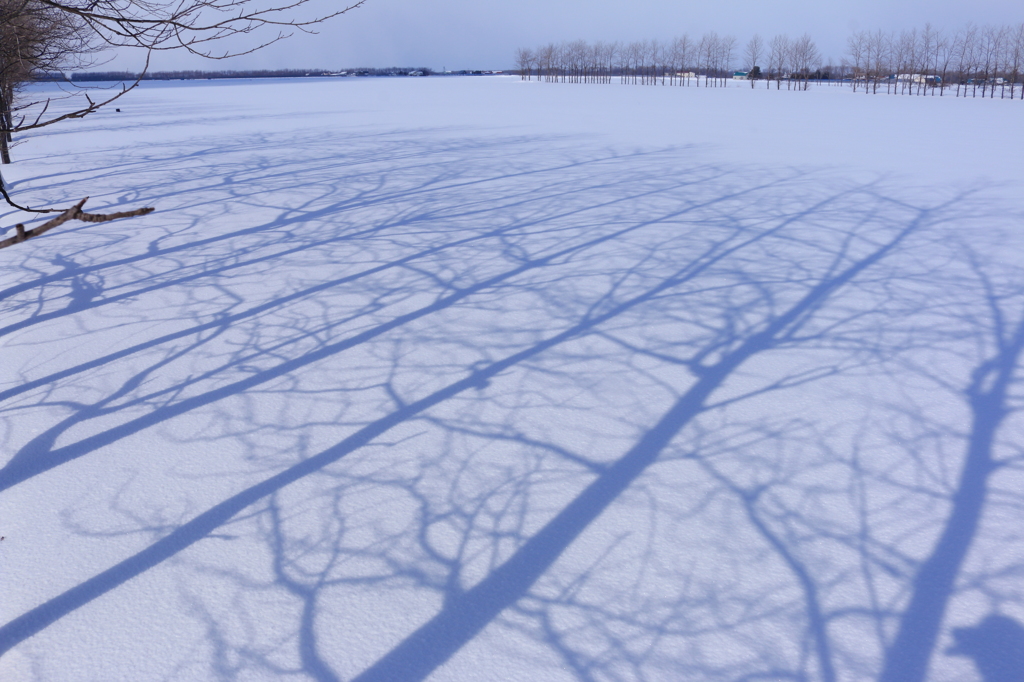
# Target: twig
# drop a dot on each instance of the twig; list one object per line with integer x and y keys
{"x": 9, "y": 200}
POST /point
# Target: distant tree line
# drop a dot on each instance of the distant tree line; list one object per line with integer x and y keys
{"x": 211, "y": 75}
{"x": 180, "y": 75}
{"x": 970, "y": 61}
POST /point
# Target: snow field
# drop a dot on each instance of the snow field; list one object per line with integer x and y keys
{"x": 439, "y": 311}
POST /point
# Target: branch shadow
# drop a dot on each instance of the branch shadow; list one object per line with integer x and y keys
{"x": 615, "y": 417}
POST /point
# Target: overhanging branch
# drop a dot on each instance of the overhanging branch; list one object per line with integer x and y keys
{"x": 73, "y": 213}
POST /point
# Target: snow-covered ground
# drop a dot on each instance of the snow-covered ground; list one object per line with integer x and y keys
{"x": 478, "y": 379}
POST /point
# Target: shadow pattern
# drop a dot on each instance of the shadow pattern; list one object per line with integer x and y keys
{"x": 602, "y": 416}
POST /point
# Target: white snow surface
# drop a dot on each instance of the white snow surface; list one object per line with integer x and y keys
{"x": 380, "y": 333}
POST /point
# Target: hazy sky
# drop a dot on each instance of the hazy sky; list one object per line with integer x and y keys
{"x": 460, "y": 34}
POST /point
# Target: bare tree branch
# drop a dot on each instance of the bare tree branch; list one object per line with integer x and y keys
{"x": 47, "y": 36}
{"x": 73, "y": 213}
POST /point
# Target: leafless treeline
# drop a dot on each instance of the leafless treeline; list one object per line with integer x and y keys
{"x": 646, "y": 62}
{"x": 970, "y": 61}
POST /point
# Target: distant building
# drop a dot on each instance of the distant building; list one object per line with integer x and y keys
{"x": 916, "y": 78}
{"x": 740, "y": 76}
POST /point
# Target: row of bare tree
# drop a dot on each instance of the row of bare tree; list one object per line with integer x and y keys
{"x": 988, "y": 60}
{"x": 972, "y": 59}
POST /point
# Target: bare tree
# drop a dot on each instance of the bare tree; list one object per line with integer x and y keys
{"x": 901, "y": 52}
{"x": 857, "y": 50}
{"x": 628, "y": 62}
{"x": 778, "y": 58}
{"x": 945, "y": 49}
{"x": 997, "y": 39}
{"x": 752, "y": 54}
{"x": 546, "y": 61}
{"x": 199, "y": 27}
{"x": 1016, "y": 62}
{"x": 683, "y": 51}
{"x": 660, "y": 59}
{"x": 611, "y": 58}
{"x": 805, "y": 57}
{"x": 879, "y": 58}
{"x": 524, "y": 61}
{"x": 34, "y": 39}
{"x": 196, "y": 26}
{"x": 650, "y": 62}
{"x": 725, "y": 53}
{"x": 963, "y": 54}
{"x": 602, "y": 54}
{"x": 927, "y": 56}
{"x": 706, "y": 53}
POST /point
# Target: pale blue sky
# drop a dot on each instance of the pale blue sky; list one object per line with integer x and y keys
{"x": 460, "y": 34}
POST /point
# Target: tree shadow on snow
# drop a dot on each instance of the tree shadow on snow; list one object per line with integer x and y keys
{"x": 611, "y": 415}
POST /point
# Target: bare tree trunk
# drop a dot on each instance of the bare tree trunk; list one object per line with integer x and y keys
{"x": 6, "y": 120}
